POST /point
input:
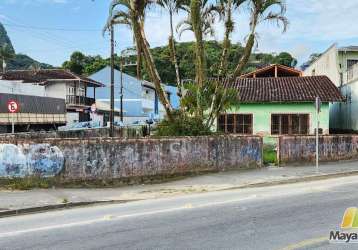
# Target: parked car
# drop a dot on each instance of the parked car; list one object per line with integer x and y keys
{"x": 80, "y": 125}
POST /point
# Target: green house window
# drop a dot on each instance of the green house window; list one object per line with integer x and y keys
{"x": 289, "y": 124}
{"x": 235, "y": 123}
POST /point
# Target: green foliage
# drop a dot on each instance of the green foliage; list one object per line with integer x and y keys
{"x": 21, "y": 61}
{"x": 270, "y": 155}
{"x": 18, "y": 61}
{"x": 186, "y": 55}
{"x": 4, "y": 39}
{"x": 182, "y": 125}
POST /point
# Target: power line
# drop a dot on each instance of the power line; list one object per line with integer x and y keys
{"x": 50, "y": 28}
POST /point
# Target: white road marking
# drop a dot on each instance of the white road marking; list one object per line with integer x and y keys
{"x": 114, "y": 218}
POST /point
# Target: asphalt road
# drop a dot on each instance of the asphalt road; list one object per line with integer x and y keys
{"x": 296, "y": 216}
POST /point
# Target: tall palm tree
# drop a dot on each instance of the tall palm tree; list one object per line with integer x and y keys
{"x": 226, "y": 8}
{"x": 173, "y": 6}
{"x": 134, "y": 12}
{"x": 200, "y": 20}
{"x": 6, "y": 53}
{"x": 122, "y": 17}
{"x": 259, "y": 13}
{"x": 201, "y": 17}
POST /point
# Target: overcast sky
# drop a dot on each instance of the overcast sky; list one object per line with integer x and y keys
{"x": 50, "y": 30}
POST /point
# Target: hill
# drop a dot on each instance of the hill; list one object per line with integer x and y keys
{"x": 83, "y": 64}
{"x": 20, "y": 61}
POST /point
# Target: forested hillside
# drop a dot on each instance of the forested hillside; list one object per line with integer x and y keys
{"x": 83, "y": 64}
{"x": 20, "y": 61}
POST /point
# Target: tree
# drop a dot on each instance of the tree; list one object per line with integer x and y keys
{"x": 77, "y": 63}
{"x": 173, "y": 6}
{"x": 134, "y": 10}
{"x": 200, "y": 20}
{"x": 286, "y": 59}
{"x": 6, "y": 53}
{"x": 226, "y": 8}
{"x": 259, "y": 13}
{"x": 201, "y": 16}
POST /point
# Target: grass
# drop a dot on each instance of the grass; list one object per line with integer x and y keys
{"x": 270, "y": 155}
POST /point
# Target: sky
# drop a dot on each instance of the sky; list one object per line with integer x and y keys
{"x": 50, "y": 30}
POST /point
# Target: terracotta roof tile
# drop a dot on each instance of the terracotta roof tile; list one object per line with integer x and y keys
{"x": 286, "y": 89}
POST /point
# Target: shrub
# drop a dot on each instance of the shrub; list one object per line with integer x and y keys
{"x": 182, "y": 125}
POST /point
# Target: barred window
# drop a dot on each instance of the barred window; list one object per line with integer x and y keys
{"x": 235, "y": 123}
{"x": 289, "y": 124}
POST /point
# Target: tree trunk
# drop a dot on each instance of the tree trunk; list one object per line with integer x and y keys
{"x": 138, "y": 29}
{"x": 174, "y": 56}
{"x": 226, "y": 42}
{"x": 246, "y": 56}
{"x": 139, "y": 61}
{"x": 195, "y": 16}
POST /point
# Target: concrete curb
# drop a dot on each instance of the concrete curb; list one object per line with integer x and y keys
{"x": 16, "y": 212}
{"x": 31, "y": 210}
{"x": 294, "y": 180}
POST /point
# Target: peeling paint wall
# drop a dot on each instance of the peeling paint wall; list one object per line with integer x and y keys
{"x": 30, "y": 160}
{"x": 298, "y": 149}
{"x": 104, "y": 158}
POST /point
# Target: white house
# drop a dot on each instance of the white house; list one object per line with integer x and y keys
{"x": 340, "y": 64}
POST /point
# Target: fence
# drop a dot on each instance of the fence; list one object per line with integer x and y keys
{"x": 106, "y": 158}
{"x": 298, "y": 149}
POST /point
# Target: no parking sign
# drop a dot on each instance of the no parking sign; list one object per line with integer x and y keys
{"x": 12, "y": 106}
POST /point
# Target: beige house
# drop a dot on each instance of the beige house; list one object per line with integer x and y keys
{"x": 340, "y": 64}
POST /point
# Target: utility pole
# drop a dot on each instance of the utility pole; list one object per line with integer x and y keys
{"x": 111, "y": 114}
{"x": 318, "y": 109}
{"x": 121, "y": 89}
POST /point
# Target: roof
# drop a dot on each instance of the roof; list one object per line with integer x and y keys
{"x": 348, "y": 48}
{"x": 270, "y": 71}
{"x": 44, "y": 76}
{"x": 286, "y": 89}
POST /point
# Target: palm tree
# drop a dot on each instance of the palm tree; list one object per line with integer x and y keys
{"x": 122, "y": 17}
{"x": 200, "y": 20}
{"x": 226, "y": 8}
{"x": 132, "y": 13}
{"x": 259, "y": 13}
{"x": 173, "y": 6}
{"x": 6, "y": 53}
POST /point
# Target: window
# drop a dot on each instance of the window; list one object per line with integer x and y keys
{"x": 351, "y": 63}
{"x": 289, "y": 124}
{"x": 235, "y": 123}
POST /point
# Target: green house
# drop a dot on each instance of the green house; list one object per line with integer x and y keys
{"x": 277, "y": 100}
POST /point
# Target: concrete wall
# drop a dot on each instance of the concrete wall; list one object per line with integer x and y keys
{"x": 98, "y": 159}
{"x": 21, "y": 88}
{"x": 327, "y": 64}
{"x": 331, "y": 148}
{"x": 344, "y": 116}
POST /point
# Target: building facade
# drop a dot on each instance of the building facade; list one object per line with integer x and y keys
{"x": 274, "y": 105}
{"x": 140, "y": 101}
{"x": 55, "y": 83}
{"x": 340, "y": 64}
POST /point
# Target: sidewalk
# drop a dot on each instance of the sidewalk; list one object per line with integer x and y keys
{"x": 13, "y": 202}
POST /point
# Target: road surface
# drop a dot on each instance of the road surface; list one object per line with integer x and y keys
{"x": 295, "y": 216}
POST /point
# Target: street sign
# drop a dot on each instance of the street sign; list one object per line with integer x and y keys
{"x": 12, "y": 106}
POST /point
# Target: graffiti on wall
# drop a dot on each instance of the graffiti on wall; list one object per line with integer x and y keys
{"x": 30, "y": 160}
